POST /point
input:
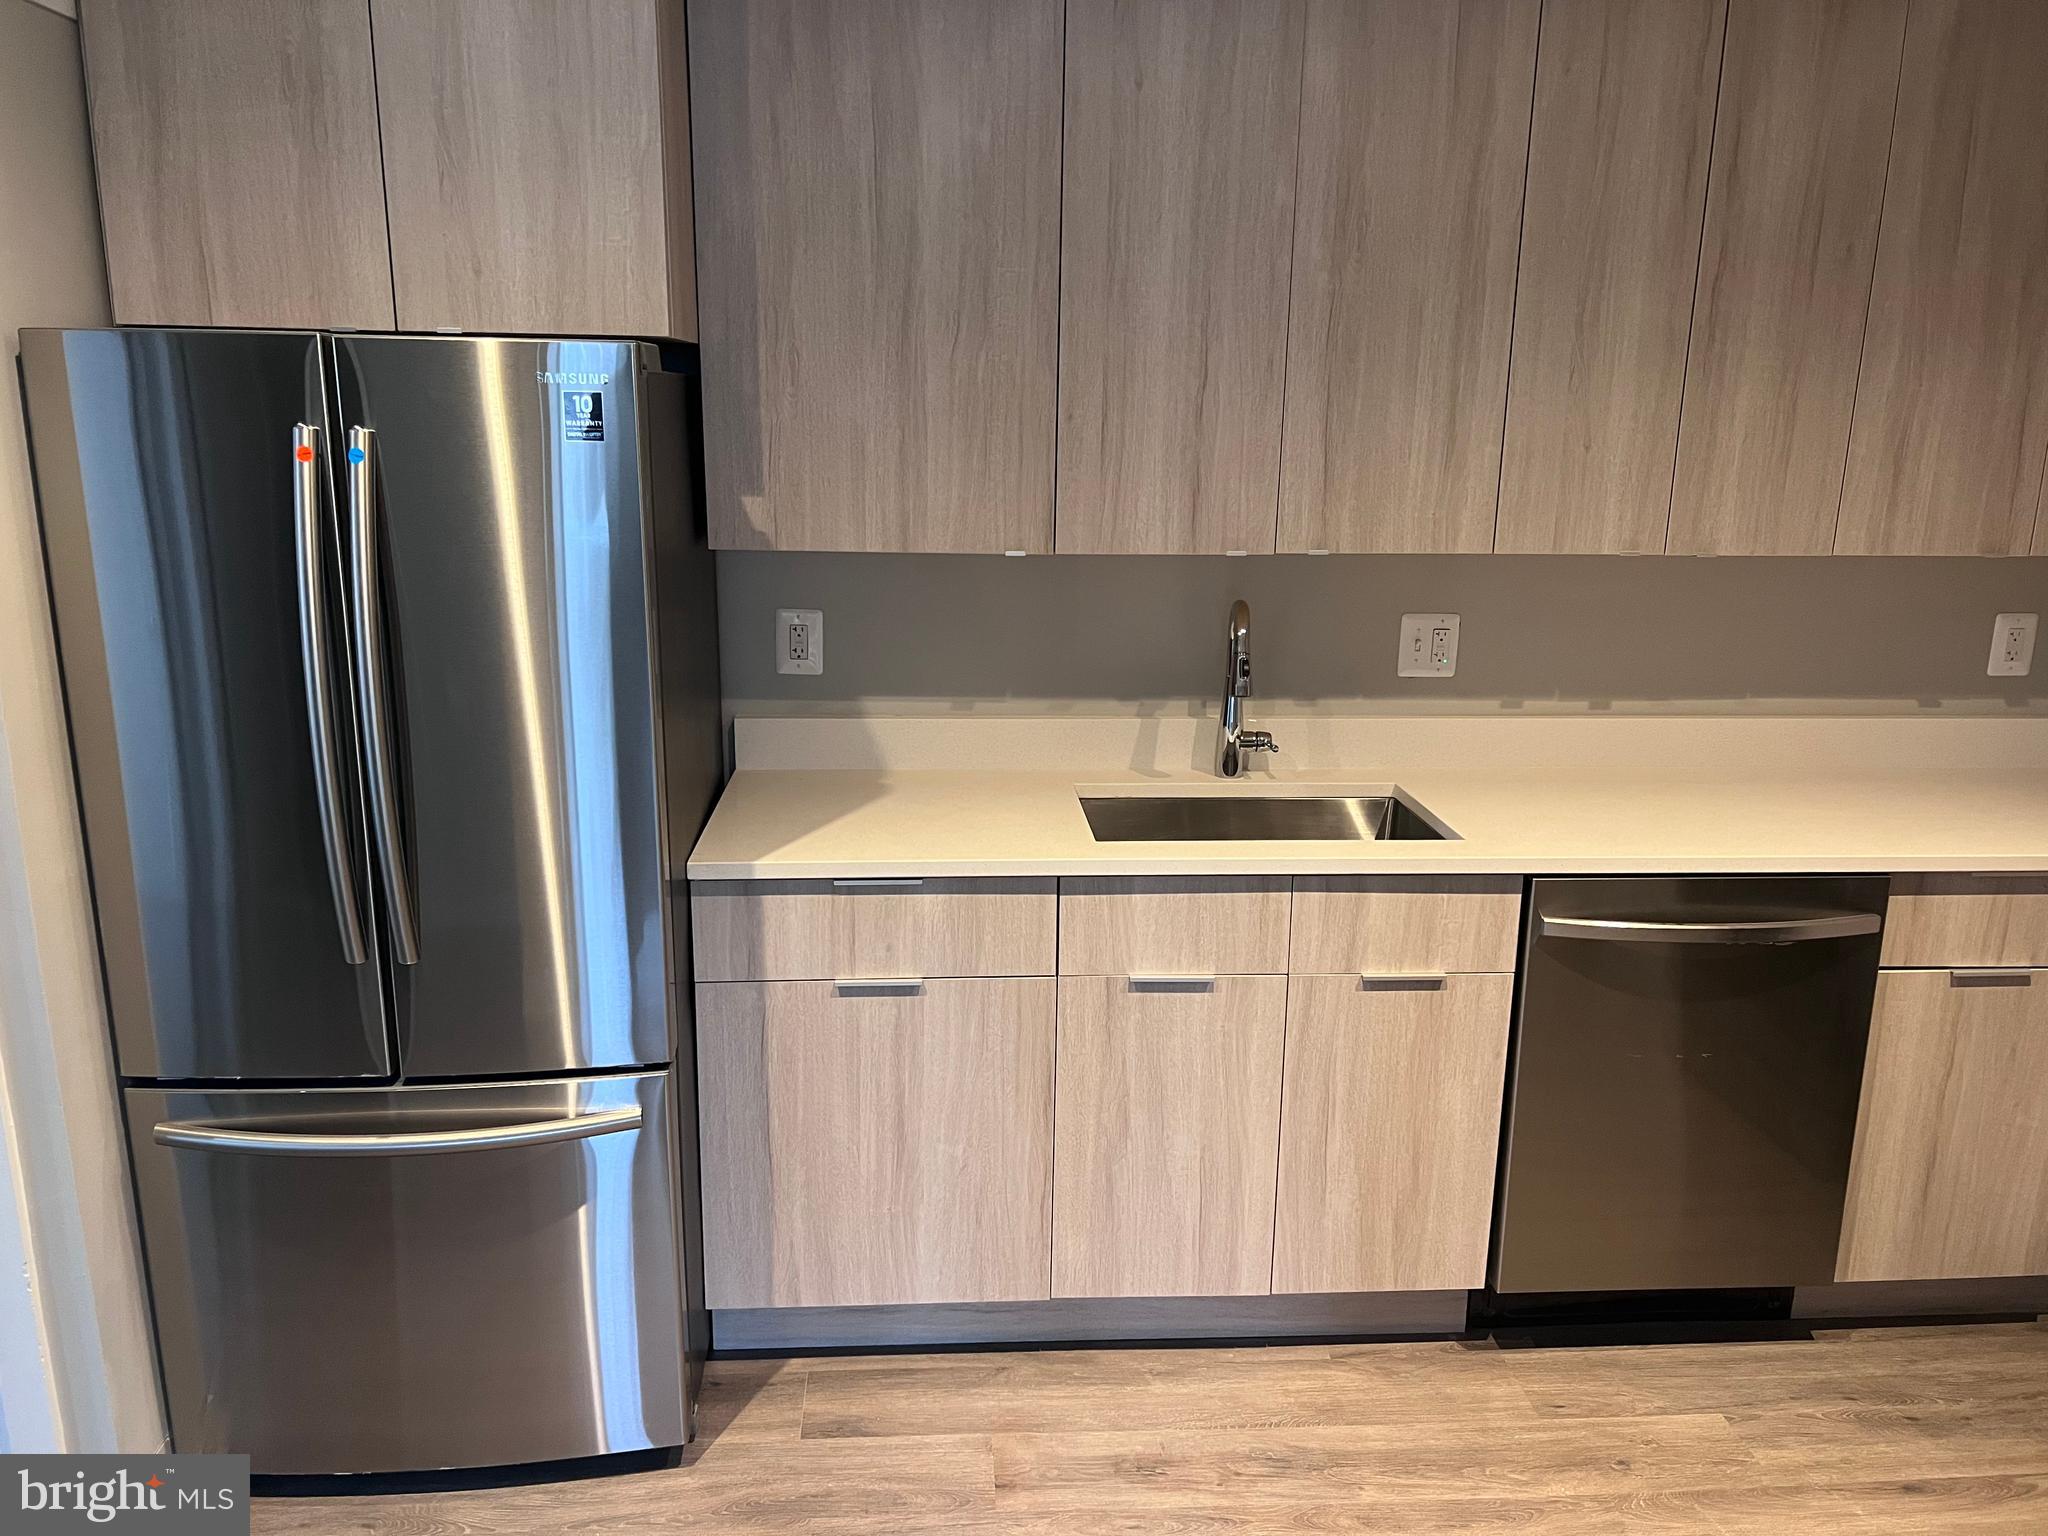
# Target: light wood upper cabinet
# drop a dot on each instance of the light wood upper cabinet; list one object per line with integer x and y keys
{"x": 536, "y": 159}
{"x": 1178, "y": 217}
{"x": 1169, "y": 276}
{"x": 1950, "y": 1174}
{"x": 1408, "y": 217}
{"x": 1389, "y": 1133}
{"x": 1622, "y": 124}
{"x": 878, "y": 236}
{"x": 1800, "y": 144}
{"x": 872, "y": 1149}
{"x": 235, "y": 143}
{"x": 1951, "y": 421}
{"x": 533, "y": 156}
{"x": 1167, "y": 1135}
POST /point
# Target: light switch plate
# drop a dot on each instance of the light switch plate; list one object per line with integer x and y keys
{"x": 799, "y": 641}
{"x": 2012, "y": 645}
{"x": 1429, "y": 645}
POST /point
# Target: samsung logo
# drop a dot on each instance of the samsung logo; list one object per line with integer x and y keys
{"x": 573, "y": 380}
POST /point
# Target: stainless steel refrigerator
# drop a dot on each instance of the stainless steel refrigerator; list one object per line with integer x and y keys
{"x": 391, "y": 670}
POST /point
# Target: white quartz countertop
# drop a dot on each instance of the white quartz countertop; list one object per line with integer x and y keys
{"x": 1523, "y": 797}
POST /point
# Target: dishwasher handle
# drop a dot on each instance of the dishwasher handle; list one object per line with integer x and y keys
{"x": 1799, "y": 929}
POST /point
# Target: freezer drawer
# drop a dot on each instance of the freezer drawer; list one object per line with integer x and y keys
{"x": 361, "y": 1280}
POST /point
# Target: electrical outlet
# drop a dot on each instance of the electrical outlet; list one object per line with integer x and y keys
{"x": 2012, "y": 645}
{"x": 799, "y": 641}
{"x": 1429, "y": 645}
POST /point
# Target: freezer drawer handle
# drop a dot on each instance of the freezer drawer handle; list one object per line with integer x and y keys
{"x": 314, "y": 652}
{"x": 1777, "y": 930}
{"x": 536, "y": 1133}
{"x": 373, "y": 697}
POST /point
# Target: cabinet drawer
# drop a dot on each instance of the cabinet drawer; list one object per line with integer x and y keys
{"x": 1169, "y": 927}
{"x": 1943, "y": 920}
{"x": 876, "y": 1148}
{"x": 819, "y": 930}
{"x": 1392, "y": 925}
{"x": 1950, "y": 1176}
{"x": 1168, "y": 1131}
{"x": 1389, "y": 1133}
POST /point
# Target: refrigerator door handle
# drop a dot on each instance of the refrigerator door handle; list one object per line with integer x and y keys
{"x": 314, "y": 651}
{"x": 371, "y": 694}
{"x": 482, "y": 1138}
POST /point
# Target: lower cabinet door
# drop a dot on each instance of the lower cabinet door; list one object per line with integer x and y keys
{"x": 1168, "y": 1126}
{"x": 404, "y": 1279}
{"x": 1390, "y": 1132}
{"x": 1950, "y": 1175}
{"x": 865, "y": 1145}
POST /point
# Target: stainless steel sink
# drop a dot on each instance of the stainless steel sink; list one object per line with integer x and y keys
{"x": 1260, "y": 818}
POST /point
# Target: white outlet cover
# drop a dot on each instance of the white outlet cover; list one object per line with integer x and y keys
{"x": 2012, "y": 645}
{"x": 799, "y": 641}
{"x": 1429, "y": 645}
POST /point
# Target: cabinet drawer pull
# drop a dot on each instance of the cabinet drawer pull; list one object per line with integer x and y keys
{"x": 1990, "y": 978}
{"x": 1395, "y": 981}
{"x": 1171, "y": 983}
{"x": 876, "y": 884}
{"x": 857, "y": 986}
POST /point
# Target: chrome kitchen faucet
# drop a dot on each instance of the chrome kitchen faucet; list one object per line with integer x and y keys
{"x": 1237, "y": 684}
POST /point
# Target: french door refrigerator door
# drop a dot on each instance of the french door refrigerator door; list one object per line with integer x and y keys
{"x": 387, "y": 1279}
{"x": 189, "y": 518}
{"x": 499, "y": 569}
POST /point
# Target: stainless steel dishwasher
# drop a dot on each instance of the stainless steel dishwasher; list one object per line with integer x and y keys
{"x": 1682, "y": 1099}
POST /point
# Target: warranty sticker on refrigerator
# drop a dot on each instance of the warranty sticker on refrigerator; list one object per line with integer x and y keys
{"x": 582, "y": 416}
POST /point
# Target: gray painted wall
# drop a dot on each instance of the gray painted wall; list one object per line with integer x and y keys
{"x": 916, "y": 633}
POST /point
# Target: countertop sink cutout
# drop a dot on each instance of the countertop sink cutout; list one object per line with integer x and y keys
{"x": 1383, "y": 815}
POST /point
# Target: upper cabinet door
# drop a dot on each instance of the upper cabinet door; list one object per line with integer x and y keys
{"x": 1182, "y": 121}
{"x": 1800, "y": 141}
{"x": 1610, "y": 246}
{"x": 236, "y": 148}
{"x": 1952, "y": 412}
{"x": 878, "y": 238}
{"x": 523, "y": 159}
{"x": 1414, "y": 138}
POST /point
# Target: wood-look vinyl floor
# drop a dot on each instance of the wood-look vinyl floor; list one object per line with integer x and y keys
{"x": 1922, "y": 1430}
